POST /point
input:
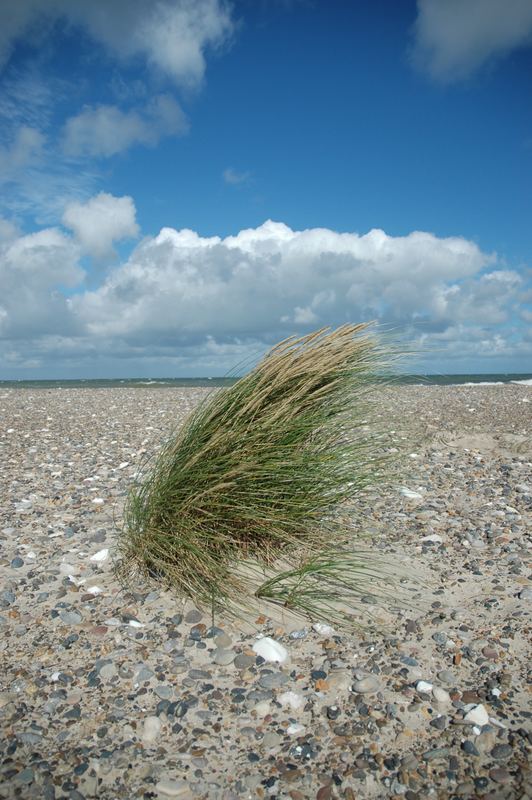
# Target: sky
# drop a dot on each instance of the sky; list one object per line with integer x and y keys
{"x": 184, "y": 183}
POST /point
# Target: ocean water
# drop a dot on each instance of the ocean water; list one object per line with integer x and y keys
{"x": 153, "y": 383}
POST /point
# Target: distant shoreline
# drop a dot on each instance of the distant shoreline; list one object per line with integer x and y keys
{"x": 491, "y": 379}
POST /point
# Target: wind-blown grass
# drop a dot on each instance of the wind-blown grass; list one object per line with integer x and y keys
{"x": 256, "y": 477}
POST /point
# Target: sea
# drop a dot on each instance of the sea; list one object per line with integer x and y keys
{"x": 178, "y": 383}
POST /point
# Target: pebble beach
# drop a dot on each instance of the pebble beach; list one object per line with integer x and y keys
{"x": 111, "y": 693}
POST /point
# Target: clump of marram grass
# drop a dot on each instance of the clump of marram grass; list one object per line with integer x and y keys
{"x": 255, "y": 481}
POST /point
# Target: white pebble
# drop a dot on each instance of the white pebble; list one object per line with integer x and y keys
{"x": 270, "y": 650}
{"x": 477, "y": 716}
{"x": 98, "y": 501}
{"x": 423, "y": 686}
{"x": 411, "y": 495}
{"x": 323, "y": 629}
{"x": 67, "y": 569}
{"x": 263, "y": 708}
{"x": 440, "y": 695}
{"x": 291, "y": 699}
{"x": 76, "y": 581}
{"x": 433, "y": 537}
{"x": 94, "y": 590}
{"x": 100, "y": 556}
{"x": 151, "y": 730}
{"x": 294, "y": 729}
{"x": 135, "y": 623}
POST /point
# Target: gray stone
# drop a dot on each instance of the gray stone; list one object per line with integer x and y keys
{"x": 273, "y": 680}
{"x": 8, "y": 597}
{"x": 17, "y": 562}
{"x": 271, "y": 740}
{"x": 223, "y": 657}
{"x": 502, "y": 751}
{"x": 168, "y": 788}
{"x": 526, "y": 593}
{"x": 163, "y": 691}
{"x": 369, "y": 684}
{"x": 107, "y": 671}
{"x": 71, "y": 616}
{"x": 446, "y": 677}
{"x": 222, "y": 640}
{"x": 144, "y": 673}
{"x": 243, "y": 662}
{"x": 194, "y": 616}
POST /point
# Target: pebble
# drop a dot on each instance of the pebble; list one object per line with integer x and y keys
{"x": 292, "y": 700}
{"x": 526, "y": 594}
{"x": 273, "y": 680}
{"x": 164, "y": 691}
{"x": 500, "y": 775}
{"x": 168, "y": 788}
{"x": 223, "y": 657}
{"x": 151, "y": 730}
{"x": 440, "y": 695}
{"x": 270, "y": 650}
{"x": 193, "y": 617}
{"x": 17, "y": 562}
{"x": 71, "y": 617}
{"x": 446, "y": 677}
{"x": 243, "y": 661}
{"x": 369, "y": 684}
{"x": 477, "y": 715}
{"x": 502, "y": 751}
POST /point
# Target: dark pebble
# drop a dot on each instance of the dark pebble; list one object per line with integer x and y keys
{"x": 17, "y": 562}
{"x": 437, "y": 752}
{"x": 502, "y": 751}
{"x": 469, "y": 748}
{"x": 333, "y": 712}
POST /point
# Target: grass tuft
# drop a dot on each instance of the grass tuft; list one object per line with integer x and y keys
{"x": 259, "y": 474}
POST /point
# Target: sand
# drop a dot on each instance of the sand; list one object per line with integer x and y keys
{"x": 113, "y": 694}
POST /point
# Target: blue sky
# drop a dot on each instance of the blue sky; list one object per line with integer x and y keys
{"x": 185, "y": 183}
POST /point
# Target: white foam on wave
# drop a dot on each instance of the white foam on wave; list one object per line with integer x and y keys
{"x": 526, "y": 382}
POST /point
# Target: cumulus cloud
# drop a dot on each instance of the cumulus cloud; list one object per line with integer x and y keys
{"x": 33, "y": 269}
{"x": 105, "y": 130}
{"x": 455, "y": 38}
{"x": 272, "y": 280}
{"x": 170, "y": 35}
{"x": 201, "y": 304}
{"x": 100, "y": 221}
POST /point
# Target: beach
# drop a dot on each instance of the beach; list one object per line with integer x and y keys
{"x": 112, "y": 693}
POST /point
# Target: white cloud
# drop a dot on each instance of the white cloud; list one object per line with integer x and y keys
{"x": 455, "y": 38}
{"x": 105, "y": 130}
{"x": 187, "y": 303}
{"x": 171, "y": 35}
{"x": 233, "y": 176}
{"x": 271, "y": 280}
{"x": 25, "y": 148}
{"x": 100, "y": 221}
{"x": 33, "y": 269}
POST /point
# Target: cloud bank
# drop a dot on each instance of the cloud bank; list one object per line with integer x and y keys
{"x": 455, "y": 38}
{"x": 187, "y": 304}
